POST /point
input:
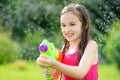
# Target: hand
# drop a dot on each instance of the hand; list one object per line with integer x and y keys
{"x": 48, "y": 73}
{"x": 45, "y": 61}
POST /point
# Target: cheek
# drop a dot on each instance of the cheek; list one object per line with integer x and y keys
{"x": 79, "y": 31}
{"x": 62, "y": 30}
{"x": 63, "y": 33}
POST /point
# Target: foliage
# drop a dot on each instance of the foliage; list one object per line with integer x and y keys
{"x": 32, "y": 40}
{"x": 28, "y": 16}
{"x": 102, "y": 15}
{"x": 31, "y": 22}
{"x": 9, "y": 49}
{"x": 30, "y": 46}
{"x": 112, "y": 48}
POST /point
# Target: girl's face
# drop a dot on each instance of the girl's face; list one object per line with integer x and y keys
{"x": 71, "y": 26}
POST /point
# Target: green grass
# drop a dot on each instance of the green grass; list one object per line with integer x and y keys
{"x": 21, "y": 70}
{"x": 109, "y": 72}
{"x": 31, "y": 71}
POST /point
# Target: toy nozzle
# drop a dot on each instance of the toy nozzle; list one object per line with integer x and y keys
{"x": 43, "y": 47}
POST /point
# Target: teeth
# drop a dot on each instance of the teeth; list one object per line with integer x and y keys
{"x": 69, "y": 35}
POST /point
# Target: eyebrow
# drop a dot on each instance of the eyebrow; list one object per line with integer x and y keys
{"x": 72, "y": 22}
{"x": 69, "y": 22}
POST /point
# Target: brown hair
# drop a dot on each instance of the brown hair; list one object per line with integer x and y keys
{"x": 81, "y": 12}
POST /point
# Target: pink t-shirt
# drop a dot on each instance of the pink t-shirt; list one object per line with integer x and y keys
{"x": 70, "y": 59}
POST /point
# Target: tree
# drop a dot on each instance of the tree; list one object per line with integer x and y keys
{"x": 103, "y": 13}
{"x": 112, "y": 47}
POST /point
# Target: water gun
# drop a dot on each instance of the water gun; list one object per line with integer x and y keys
{"x": 47, "y": 48}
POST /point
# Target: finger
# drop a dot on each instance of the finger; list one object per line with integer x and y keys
{"x": 48, "y": 72}
{"x": 45, "y": 73}
{"x": 37, "y": 61}
{"x": 41, "y": 62}
{"x": 44, "y": 56}
{"x": 46, "y": 60}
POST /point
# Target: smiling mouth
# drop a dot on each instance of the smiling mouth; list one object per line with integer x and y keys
{"x": 69, "y": 35}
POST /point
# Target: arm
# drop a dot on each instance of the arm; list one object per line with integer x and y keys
{"x": 89, "y": 58}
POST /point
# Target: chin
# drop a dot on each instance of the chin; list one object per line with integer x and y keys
{"x": 70, "y": 39}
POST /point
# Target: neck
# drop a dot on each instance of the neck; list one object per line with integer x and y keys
{"x": 74, "y": 46}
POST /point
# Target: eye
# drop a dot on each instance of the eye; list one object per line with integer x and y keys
{"x": 72, "y": 24}
{"x": 63, "y": 25}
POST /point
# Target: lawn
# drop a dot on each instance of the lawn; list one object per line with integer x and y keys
{"x": 21, "y": 70}
{"x": 109, "y": 72}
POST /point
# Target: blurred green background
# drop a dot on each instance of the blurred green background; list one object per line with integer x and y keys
{"x": 25, "y": 23}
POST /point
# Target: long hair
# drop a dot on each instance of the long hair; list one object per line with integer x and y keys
{"x": 81, "y": 12}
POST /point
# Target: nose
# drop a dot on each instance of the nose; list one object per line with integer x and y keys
{"x": 67, "y": 29}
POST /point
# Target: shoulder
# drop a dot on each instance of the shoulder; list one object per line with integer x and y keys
{"x": 92, "y": 42}
{"x": 92, "y": 45}
{"x": 90, "y": 55}
{"x": 92, "y": 50}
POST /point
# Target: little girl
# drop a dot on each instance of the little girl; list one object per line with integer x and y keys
{"x": 80, "y": 60}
